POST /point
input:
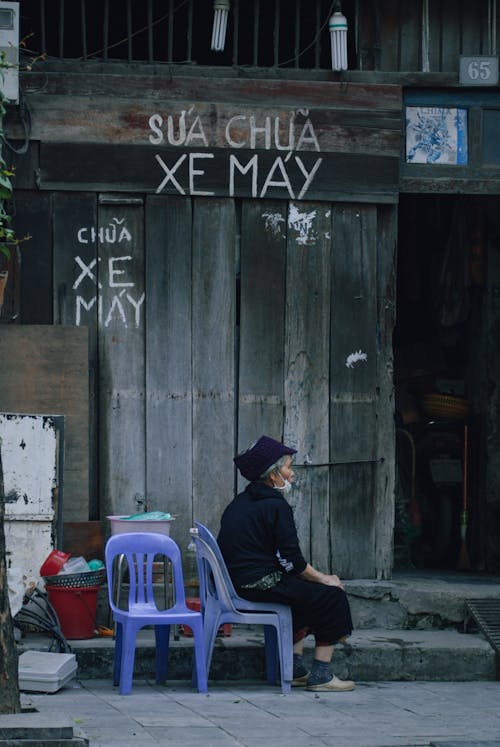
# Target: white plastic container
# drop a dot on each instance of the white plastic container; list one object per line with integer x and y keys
{"x": 122, "y": 525}
{"x": 45, "y": 672}
{"x": 75, "y": 565}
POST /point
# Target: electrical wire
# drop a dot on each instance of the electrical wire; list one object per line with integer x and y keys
{"x": 38, "y": 612}
{"x": 181, "y": 4}
{"x": 25, "y": 117}
{"x": 313, "y": 42}
{"x": 135, "y": 33}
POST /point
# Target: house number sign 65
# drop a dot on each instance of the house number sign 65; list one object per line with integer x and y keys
{"x": 480, "y": 70}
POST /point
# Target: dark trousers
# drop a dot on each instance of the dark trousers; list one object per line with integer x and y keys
{"x": 316, "y": 608}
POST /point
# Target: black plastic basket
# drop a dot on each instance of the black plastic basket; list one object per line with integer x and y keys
{"x": 77, "y": 580}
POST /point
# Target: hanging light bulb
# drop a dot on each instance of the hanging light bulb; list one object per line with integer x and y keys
{"x": 338, "y": 39}
{"x": 221, "y": 12}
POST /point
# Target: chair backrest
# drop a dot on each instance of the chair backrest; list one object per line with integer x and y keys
{"x": 140, "y": 549}
{"x": 213, "y": 575}
{"x": 207, "y": 536}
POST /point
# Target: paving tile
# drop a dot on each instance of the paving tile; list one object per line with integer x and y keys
{"x": 210, "y": 735}
{"x": 254, "y": 715}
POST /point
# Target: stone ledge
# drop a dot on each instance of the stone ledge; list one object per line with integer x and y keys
{"x": 376, "y": 654}
{"x": 39, "y": 730}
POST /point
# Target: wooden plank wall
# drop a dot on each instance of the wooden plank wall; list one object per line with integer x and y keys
{"x": 307, "y": 372}
{"x": 120, "y": 323}
{"x": 169, "y": 400}
{"x": 389, "y": 34}
{"x": 353, "y": 381}
{"x": 261, "y": 327}
{"x": 213, "y": 356}
{"x": 214, "y": 318}
{"x": 211, "y": 322}
{"x": 44, "y": 371}
{"x": 73, "y": 291}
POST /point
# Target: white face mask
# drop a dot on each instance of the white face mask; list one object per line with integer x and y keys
{"x": 286, "y": 487}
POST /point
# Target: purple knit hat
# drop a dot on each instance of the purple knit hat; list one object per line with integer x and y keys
{"x": 261, "y": 455}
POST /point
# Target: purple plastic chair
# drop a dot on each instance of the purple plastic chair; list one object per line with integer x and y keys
{"x": 221, "y": 604}
{"x": 140, "y": 549}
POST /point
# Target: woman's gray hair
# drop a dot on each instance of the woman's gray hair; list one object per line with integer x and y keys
{"x": 276, "y": 466}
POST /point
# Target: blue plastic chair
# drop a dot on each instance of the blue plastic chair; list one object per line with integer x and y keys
{"x": 140, "y": 549}
{"x": 221, "y": 604}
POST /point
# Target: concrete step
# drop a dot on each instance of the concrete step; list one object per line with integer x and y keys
{"x": 408, "y": 628}
{"x": 371, "y": 655}
{"x": 411, "y": 599}
{"x": 38, "y": 730}
{"x": 414, "y": 599}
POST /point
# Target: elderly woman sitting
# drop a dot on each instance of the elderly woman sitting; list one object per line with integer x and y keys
{"x": 259, "y": 542}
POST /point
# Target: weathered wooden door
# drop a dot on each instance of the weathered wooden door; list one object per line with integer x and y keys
{"x": 212, "y": 321}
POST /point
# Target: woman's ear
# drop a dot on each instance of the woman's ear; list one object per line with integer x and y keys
{"x": 271, "y": 478}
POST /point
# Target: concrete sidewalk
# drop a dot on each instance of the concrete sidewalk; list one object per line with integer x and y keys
{"x": 250, "y": 714}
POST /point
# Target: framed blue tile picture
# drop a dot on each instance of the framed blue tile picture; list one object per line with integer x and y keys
{"x": 436, "y": 135}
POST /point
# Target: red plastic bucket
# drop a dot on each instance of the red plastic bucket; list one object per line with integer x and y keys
{"x": 76, "y": 610}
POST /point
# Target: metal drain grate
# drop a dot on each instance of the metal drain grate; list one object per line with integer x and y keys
{"x": 486, "y": 613}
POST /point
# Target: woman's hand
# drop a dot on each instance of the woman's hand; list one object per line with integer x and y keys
{"x": 332, "y": 580}
{"x": 311, "y": 574}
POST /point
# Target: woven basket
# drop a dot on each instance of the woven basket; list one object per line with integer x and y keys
{"x": 77, "y": 580}
{"x": 445, "y": 406}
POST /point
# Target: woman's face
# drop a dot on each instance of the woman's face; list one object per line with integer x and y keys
{"x": 286, "y": 472}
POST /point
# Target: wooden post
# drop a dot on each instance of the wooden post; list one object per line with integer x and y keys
{"x": 9, "y": 686}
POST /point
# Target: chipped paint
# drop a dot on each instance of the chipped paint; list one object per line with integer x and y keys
{"x": 273, "y": 222}
{"x": 29, "y": 446}
{"x": 356, "y": 357}
{"x": 303, "y": 224}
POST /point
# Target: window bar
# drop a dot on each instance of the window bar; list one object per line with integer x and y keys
{"x": 399, "y": 54}
{"x": 357, "y": 52}
{"x": 42, "y": 27}
{"x": 461, "y": 29}
{"x": 129, "y": 30}
{"x": 84, "y": 29}
{"x": 170, "y": 50}
{"x": 236, "y": 18}
{"x": 317, "y": 36}
{"x": 425, "y": 36}
{"x": 105, "y": 30}
{"x": 297, "y": 33}
{"x": 61, "y": 29}
{"x": 190, "y": 32}
{"x": 256, "y": 19}
{"x": 440, "y": 38}
{"x": 492, "y": 27}
{"x": 276, "y": 33}
{"x": 150, "y": 32}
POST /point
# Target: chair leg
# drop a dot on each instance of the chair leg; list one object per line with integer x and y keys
{"x": 127, "y": 659}
{"x": 211, "y": 623}
{"x": 199, "y": 655}
{"x": 271, "y": 645}
{"x": 117, "y": 664}
{"x": 162, "y": 638}
{"x": 285, "y": 651}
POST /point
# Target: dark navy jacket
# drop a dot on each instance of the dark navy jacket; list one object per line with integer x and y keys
{"x": 258, "y": 535}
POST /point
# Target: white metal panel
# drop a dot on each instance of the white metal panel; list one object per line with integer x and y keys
{"x": 9, "y": 45}
{"x": 30, "y": 453}
{"x": 29, "y": 458}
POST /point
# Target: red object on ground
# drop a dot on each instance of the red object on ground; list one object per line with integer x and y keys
{"x": 194, "y": 604}
{"x": 76, "y": 610}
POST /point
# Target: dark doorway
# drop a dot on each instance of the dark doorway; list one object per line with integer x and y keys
{"x": 442, "y": 343}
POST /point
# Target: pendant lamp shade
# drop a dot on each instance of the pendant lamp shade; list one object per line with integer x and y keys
{"x": 338, "y": 39}
{"x": 221, "y": 12}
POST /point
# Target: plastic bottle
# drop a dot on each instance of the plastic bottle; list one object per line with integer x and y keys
{"x": 191, "y": 580}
